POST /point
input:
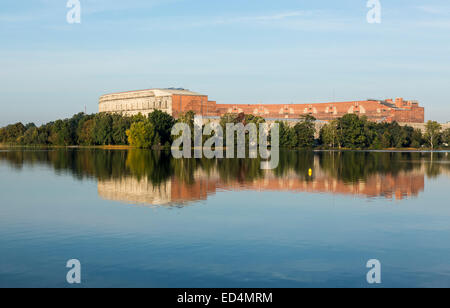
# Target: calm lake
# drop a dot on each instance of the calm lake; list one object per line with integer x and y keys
{"x": 142, "y": 219}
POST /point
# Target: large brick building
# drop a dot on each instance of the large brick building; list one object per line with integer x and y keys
{"x": 177, "y": 101}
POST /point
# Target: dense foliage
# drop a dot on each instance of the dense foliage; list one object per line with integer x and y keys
{"x": 154, "y": 131}
{"x": 88, "y": 130}
{"x": 355, "y": 132}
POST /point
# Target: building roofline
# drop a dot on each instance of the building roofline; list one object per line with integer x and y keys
{"x": 156, "y": 89}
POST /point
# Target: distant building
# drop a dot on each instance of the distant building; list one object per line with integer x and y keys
{"x": 177, "y": 101}
{"x": 172, "y": 101}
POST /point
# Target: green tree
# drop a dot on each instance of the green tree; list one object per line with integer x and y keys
{"x": 446, "y": 136}
{"x": 43, "y": 134}
{"x": 432, "y": 133}
{"x": 141, "y": 135}
{"x": 30, "y": 125}
{"x": 60, "y": 133}
{"x": 386, "y": 139}
{"x": 119, "y": 128}
{"x": 329, "y": 135}
{"x": 73, "y": 127}
{"x": 409, "y": 134}
{"x": 86, "y": 133}
{"x": 103, "y": 130}
{"x": 251, "y": 119}
{"x": 31, "y": 136}
{"x": 188, "y": 118}
{"x": 417, "y": 138}
{"x": 352, "y": 130}
{"x": 399, "y": 135}
{"x": 305, "y": 131}
{"x": 13, "y": 132}
{"x": 163, "y": 123}
{"x": 288, "y": 138}
{"x": 2, "y": 135}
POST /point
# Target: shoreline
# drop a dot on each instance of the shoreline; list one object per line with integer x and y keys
{"x": 100, "y": 147}
{"x": 128, "y": 147}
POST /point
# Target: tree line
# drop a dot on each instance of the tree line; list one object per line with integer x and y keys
{"x": 154, "y": 131}
{"x": 94, "y": 130}
{"x": 354, "y": 132}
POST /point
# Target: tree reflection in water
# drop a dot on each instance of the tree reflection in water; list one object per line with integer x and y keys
{"x": 155, "y": 178}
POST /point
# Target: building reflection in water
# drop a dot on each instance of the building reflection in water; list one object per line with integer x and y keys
{"x": 155, "y": 178}
{"x": 408, "y": 182}
{"x": 176, "y": 192}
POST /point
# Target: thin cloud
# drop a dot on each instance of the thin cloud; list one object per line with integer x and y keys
{"x": 101, "y": 6}
{"x": 263, "y": 18}
{"x": 442, "y": 24}
{"x": 280, "y": 16}
{"x": 435, "y": 10}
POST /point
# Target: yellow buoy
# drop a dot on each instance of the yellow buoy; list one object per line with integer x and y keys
{"x": 310, "y": 172}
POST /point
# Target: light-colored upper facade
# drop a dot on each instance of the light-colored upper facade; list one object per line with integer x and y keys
{"x": 145, "y": 101}
{"x": 177, "y": 101}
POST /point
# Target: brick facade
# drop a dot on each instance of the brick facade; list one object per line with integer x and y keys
{"x": 177, "y": 101}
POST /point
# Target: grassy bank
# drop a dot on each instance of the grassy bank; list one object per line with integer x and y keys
{"x": 128, "y": 147}
{"x": 101, "y": 147}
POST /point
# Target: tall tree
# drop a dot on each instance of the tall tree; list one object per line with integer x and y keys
{"x": 30, "y": 137}
{"x": 432, "y": 133}
{"x": 288, "y": 138}
{"x": 119, "y": 127}
{"x": 352, "y": 130}
{"x": 305, "y": 131}
{"x": 86, "y": 133}
{"x": 60, "y": 133}
{"x": 162, "y": 123}
{"x": 103, "y": 131}
{"x": 417, "y": 138}
{"x": 2, "y": 135}
{"x": 141, "y": 135}
{"x": 329, "y": 135}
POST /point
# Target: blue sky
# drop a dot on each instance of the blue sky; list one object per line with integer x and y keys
{"x": 255, "y": 51}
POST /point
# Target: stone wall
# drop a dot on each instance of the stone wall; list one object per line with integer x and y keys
{"x": 422, "y": 126}
{"x": 133, "y": 103}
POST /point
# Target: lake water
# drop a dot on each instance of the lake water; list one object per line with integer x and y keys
{"x": 142, "y": 219}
